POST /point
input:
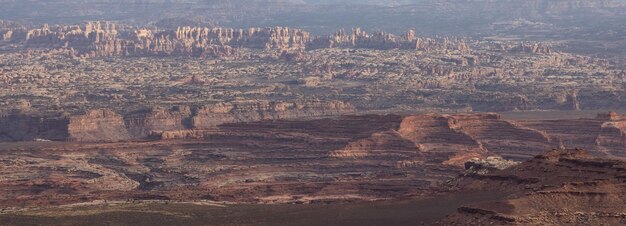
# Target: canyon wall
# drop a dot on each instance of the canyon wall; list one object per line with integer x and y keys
{"x": 450, "y": 138}
{"x": 23, "y": 127}
{"x": 97, "y": 125}
{"x": 210, "y": 116}
{"x": 104, "y": 125}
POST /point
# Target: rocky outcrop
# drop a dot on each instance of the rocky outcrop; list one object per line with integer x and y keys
{"x": 612, "y": 138}
{"x": 484, "y": 166}
{"x": 381, "y": 40}
{"x": 216, "y": 42}
{"x": 560, "y": 187}
{"x": 145, "y": 123}
{"x": 524, "y": 47}
{"x": 90, "y": 39}
{"x": 281, "y": 38}
{"x": 452, "y": 139}
{"x": 503, "y": 137}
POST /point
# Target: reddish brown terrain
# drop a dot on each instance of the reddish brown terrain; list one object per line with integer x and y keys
{"x": 561, "y": 187}
{"x": 312, "y": 112}
{"x": 347, "y": 158}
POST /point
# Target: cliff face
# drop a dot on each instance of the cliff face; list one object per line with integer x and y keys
{"x": 282, "y": 38}
{"x": 503, "y": 137}
{"x": 107, "y": 126}
{"x": 612, "y": 136}
{"x": 108, "y": 39}
{"x": 97, "y": 126}
{"x": 438, "y": 136}
{"x": 381, "y": 145}
{"x": 18, "y": 127}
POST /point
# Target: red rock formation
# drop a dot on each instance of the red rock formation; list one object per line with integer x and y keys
{"x": 612, "y": 137}
{"x": 438, "y": 134}
{"x": 503, "y": 137}
{"x": 107, "y": 39}
{"x": 611, "y": 116}
{"x": 388, "y": 144}
{"x": 145, "y": 123}
{"x": 452, "y": 139}
{"x": 456, "y": 138}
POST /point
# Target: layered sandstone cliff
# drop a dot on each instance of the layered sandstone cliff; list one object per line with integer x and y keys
{"x": 213, "y": 115}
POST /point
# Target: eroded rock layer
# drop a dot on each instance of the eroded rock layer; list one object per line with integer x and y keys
{"x": 562, "y": 187}
{"x": 104, "y": 125}
{"x": 440, "y": 136}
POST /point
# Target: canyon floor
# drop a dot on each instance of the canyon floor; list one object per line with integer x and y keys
{"x": 574, "y": 189}
{"x": 397, "y": 212}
